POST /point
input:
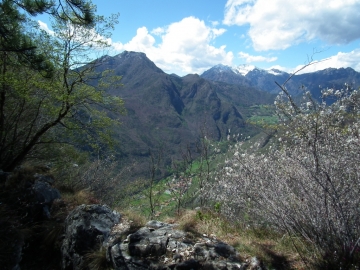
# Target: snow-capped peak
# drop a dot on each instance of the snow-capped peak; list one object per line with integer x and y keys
{"x": 243, "y": 69}
{"x": 222, "y": 68}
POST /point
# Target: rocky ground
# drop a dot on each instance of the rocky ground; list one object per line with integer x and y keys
{"x": 157, "y": 245}
{"x": 40, "y": 230}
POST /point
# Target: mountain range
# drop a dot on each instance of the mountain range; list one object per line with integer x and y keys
{"x": 265, "y": 79}
{"x": 167, "y": 113}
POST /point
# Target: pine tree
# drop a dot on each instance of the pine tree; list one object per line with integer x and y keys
{"x": 45, "y": 92}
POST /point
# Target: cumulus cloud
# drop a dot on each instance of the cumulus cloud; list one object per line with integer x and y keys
{"x": 279, "y": 24}
{"x": 256, "y": 58}
{"x": 141, "y": 42}
{"x": 158, "y": 31}
{"x": 185, "y": 46}
{"x": 341, "y": 59}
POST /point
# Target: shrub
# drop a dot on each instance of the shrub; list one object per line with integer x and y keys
{"x": 309, "y": 184}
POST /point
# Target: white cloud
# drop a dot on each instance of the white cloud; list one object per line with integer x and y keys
{"x": 185, "y": 46}
{"x": 217, "y": 32}
{"x": 342, "y": 59}
{"x": 278, "y": 24}
{"x": 158, "y": 31}
{"x": 256, "y": 58}
{"x": 141, "y": 42}
{"x": 278, "y": 67}
{"x": 44, "y": 26}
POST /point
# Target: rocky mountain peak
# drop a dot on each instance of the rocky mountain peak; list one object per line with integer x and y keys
{"x": 248, "y": 75}
{"x": 239, "y": 70}
{"x": 223, "y": 68}
{"x": 244, "y": 69}
{"x": 131, "y": 54}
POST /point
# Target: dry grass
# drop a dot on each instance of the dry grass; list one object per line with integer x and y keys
{"x": 135, "y": 220}
{"x": 96, "y": 260}
{"x": 187, "y": 221}
{"x": 76, "y": 198}
{"x": 21, "y": 177}
{"x": 275, "y": 250}
{"x": 52, "y": 233}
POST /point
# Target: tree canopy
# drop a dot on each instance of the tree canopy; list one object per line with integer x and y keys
{"x": 50, "y": 91}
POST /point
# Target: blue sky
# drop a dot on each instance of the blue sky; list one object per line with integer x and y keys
{"x": 191, "y": 36}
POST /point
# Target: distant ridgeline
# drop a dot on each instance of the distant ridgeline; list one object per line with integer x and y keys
{"x": 265, "y": 79}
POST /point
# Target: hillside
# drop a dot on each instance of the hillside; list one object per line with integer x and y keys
{"x": 169, "y": 112}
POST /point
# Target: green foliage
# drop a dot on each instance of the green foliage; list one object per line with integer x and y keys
{"x": 217, "y": 207}
{"x": 203, "y": 215}
{"x": 263, "y": 120}
{"x": 15, "y": 26}
{"x": 65, "y": 99}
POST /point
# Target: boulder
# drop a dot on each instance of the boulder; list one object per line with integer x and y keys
{"x": 44, "y": 178}
{"x": 161, "y": 246}
{"x": 87, "y": 227}
{"x": 25, "y": 202}
{"x": 45, "y": 194}
{"x": 157, "y": 245}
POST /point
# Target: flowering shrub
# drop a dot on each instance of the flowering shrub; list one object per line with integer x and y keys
{"x": 308, "y": 183}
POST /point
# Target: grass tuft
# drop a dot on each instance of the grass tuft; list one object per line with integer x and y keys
{"x": 96, "y": 260}
{"x": 135, "y": 219}
{"x": 275, "y": 250}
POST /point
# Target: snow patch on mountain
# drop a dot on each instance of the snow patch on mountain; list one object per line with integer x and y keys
{"x": 243, "y": 69}
{"x": 222, "y": 68}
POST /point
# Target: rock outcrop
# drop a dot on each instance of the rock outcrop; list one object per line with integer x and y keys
{"x": 44, "y": 193}
{"x": 161, "y": 246}
{"x": 28, "y": 200}
{"x": 25, "y": 204}
{"x": 157, "y": 245}
{"x": 87, "y": 227}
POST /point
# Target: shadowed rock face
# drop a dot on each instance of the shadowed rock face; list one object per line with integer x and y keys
{"x": 26, "y": 199}
{"x": 86, "y": 228}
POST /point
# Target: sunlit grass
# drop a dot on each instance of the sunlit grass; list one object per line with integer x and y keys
{"x": 275, "y": 250}
{"x": 263, "y": 120}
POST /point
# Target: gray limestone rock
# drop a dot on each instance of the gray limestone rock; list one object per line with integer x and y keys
{"x": 86, "y": 228}
{"x": 45, "y": 194}
{"x": 161, "y": 246}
